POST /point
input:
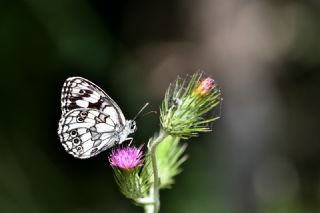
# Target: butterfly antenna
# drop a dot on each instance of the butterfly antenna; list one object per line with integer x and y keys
{"x": 148, "y": 113}
{"x": 135, "y": 117}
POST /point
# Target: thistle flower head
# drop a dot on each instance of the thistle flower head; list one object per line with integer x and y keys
{"x": 126, "y": 157}
{"x": 127, "y": 165}
{"x": 186, "y": 106}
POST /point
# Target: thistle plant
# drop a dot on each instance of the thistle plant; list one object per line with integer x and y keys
{"x": 185, "y": 112}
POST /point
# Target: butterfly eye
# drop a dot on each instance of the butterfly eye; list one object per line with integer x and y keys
{"x": 76, "y": 141}
{"x": 73, "y": 133}
{"x": 133, "y": 127}
{"x": 79, "y": 119}
{"x": 81, "y": 91}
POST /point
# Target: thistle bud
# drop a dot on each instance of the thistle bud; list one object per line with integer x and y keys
{"x": 186, "y": 106}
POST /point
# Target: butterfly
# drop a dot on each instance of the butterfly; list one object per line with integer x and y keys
{"x": 91, "y": 121}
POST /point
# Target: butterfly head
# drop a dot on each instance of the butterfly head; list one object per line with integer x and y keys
{"x": 131, "y": 126}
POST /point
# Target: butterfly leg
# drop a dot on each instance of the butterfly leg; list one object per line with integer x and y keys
{"x": 130, "y": 139}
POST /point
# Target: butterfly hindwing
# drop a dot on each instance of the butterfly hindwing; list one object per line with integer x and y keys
{"x": 78, "y": 92}
{"x": 86, "y": 132}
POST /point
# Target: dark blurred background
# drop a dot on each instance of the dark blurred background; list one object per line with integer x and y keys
{"x": 263, "y": 155}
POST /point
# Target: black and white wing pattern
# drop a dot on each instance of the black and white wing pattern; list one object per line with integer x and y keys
{"x": 91, "y": 121}
{"x": 87, "y": 132}
{"x": 78, "y": 92}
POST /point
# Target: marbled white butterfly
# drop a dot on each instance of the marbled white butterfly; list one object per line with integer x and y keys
{"x": 91, "y": 121}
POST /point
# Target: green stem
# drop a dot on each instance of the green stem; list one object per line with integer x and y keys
{"x": 154, "y": 192}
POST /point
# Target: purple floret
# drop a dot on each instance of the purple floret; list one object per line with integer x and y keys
{"x": 126, "y": 157}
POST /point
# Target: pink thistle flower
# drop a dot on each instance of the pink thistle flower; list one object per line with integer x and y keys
{"x": 205, "y": 87}
{"x": 126, "y": 157}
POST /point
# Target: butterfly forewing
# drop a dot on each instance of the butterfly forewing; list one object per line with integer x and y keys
{"x": 78, "y": 92}
{"x": 87, "y": 132}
